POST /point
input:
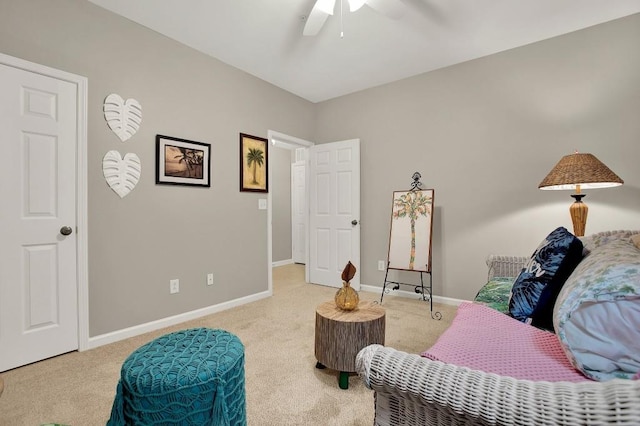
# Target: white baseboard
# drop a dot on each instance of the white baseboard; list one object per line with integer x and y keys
{"x": 115, "y": 336}
{"x": 282, "y": 263}
{"x": 410, "y": 295}
{"x": 126, "y": 333}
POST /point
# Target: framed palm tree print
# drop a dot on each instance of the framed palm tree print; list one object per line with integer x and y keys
{"x": 410, "y": 233}
{"x": 254, "y": 165}
{"x": 182, "y": 162}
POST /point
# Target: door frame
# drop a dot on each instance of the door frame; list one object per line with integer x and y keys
{"x": 294, "y": 213}
{"x": 285, "y": 141}
{"x": 82, "y": 268}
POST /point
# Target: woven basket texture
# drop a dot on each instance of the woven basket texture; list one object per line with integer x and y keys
{"x": 415, "y": 391}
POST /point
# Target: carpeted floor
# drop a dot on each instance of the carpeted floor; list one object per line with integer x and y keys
{"x": 283, "y": 386}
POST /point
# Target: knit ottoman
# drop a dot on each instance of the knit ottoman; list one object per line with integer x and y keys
{"x": 189, "y": 377}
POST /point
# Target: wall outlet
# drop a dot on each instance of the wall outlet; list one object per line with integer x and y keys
{"x": 209, "y": 279}
{"x": 174, "y": 286}
{"x": 380, "y": 265}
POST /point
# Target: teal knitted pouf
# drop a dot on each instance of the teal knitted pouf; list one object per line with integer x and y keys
{"x": 189, "y": 377}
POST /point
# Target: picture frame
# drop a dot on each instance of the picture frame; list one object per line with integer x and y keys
{"x": 182, "y": 162}
{"x": 411, "y": 230}
{"x": 254, "y": 164}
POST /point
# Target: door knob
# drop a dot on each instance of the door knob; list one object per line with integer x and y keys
{"x": 354, "y": 222}
{"x": 66, "y": 230}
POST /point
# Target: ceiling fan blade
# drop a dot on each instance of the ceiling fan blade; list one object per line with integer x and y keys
{"x": 393, "y": 9}
{"x": 327, "y": 6}
{"x": 355, "y": 4}
{"x": 317, "y": 16}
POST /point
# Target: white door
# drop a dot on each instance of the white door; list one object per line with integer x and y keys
{"x": 334, "y": 211}
{"x": 298, "y": 213}
{"x": 38, "y": 281}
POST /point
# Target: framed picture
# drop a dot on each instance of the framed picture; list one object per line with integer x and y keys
{"x": 254, "y": 165}
{"x": 411, "y": 227}
{"x": 182, "y": 162}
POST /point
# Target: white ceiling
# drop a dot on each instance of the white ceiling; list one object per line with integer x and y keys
{"x": 264, "y": 37}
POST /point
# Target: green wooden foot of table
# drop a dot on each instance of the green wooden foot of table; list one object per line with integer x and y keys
{"x": 343, "y": 380}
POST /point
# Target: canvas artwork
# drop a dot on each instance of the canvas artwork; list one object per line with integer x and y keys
{"x": 411, "y": 227}
{"x": 253, "y": 163}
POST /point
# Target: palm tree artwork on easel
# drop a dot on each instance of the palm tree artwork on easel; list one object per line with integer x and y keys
{"x": 255, "y": 159}
{"x": 412, "y": 205}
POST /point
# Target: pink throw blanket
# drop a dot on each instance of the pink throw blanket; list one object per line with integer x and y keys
{"x": 481, "y": 338}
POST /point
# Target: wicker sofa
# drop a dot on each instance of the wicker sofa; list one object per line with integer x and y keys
{"x": 414, "y": 390}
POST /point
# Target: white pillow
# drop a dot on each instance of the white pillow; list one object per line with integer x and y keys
{"x": 604, "y": 336}
{"x": 597, "y": 313}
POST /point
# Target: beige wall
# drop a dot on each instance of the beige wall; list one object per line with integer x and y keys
{"x": 484, "y": 134}
{"x": 157, "y": 232}
{"x": 281, "y": 203}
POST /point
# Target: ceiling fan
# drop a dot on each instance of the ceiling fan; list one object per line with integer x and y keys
{"x": 323, "y": 8}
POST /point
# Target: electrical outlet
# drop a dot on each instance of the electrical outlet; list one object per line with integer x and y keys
{"x": 174, "y": 286}
{"x": 209, "y": 279}
{"x": 380, "y": 265}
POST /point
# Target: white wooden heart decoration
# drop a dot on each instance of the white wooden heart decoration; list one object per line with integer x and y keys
{"x": 122, "y": 174}
{"x": 123, "y": 117}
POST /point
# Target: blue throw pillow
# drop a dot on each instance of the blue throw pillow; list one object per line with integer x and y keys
{"x": 537, "y": 287}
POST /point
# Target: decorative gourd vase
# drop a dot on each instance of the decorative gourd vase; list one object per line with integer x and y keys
{"x": 346, "y": 297}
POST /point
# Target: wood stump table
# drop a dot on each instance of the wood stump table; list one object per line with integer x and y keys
{"x": 340, "y": 335}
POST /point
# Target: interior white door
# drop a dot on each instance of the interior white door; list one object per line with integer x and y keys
{"x": 334, "y": 211}
{"x": 38, "y": 280}
{"x": 298, "y": 213}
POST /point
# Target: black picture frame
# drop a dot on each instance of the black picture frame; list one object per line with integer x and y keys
{"x": 254, "y": 164}
{"x": 182, "y": 162}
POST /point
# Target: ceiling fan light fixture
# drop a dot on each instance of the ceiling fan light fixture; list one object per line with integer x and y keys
{"x": 356, "y": 4}
{"x": 327, "y": 6}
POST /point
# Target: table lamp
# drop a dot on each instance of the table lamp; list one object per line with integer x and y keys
{"x": 579, "y": 171}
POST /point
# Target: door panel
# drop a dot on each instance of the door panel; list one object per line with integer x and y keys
{"x": 334, "y": 187}
{"x": 38, "y": 282}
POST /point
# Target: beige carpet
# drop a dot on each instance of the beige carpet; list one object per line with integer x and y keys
{"x": 283, "y": 386}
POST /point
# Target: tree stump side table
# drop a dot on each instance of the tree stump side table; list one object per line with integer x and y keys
{"x": 340, "y": 335}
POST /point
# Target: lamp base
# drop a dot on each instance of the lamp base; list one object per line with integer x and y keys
{"x": 578, "y": 211}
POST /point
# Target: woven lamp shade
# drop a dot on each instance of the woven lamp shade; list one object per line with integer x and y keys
{"x": 579, "y": 171}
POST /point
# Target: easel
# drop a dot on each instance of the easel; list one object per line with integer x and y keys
{"x": 415, "y": 205}
{"x": 419, "y": 289}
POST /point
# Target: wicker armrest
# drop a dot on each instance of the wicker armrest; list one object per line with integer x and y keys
{"x": 505, "y": 266}
{"x": 415, "y": 389}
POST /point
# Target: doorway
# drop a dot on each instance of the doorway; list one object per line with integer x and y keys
{"x": 332, "y": 206}
{"x": 291, "y": 143}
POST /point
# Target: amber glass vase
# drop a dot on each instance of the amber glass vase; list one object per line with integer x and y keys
{"x": 346, "y": 297}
